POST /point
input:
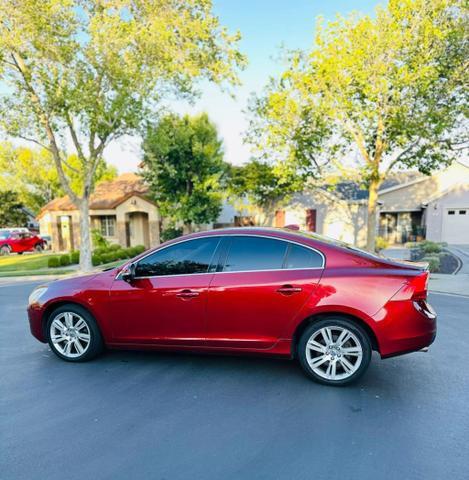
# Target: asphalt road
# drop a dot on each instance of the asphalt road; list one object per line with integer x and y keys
{"x": 131, "y": 415}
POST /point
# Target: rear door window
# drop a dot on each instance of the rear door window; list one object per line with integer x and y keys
{"x": 255, "y": 253}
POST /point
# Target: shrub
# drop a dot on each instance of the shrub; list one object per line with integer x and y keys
{"x": 433, "y": 262}
{"x": 429, "y": 247}
{"x": 139, "y": 249}
{"x": 115, "y": 246}
{"x": 64, "y": 260}
{"x": 75, "y": 257}
{"x": 98, "y": 240}
{"x": 96, "y": 259}
{"x": 381, "y": 243}
{"x": 121, "y": 254}
{"x": 169, "y": 233}
{"x": 53, "y": 262}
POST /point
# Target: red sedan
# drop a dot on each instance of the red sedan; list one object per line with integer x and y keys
{"x": 257, "y": 291}
{"x": 20, "y": 242}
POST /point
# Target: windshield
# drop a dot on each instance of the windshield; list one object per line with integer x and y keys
{"x": 4, "y": 235}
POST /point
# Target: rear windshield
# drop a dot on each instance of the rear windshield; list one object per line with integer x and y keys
{"x": 337, "y": 243}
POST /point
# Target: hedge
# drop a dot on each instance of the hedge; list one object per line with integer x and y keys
{"x": 64, "y": 260}
{"x": 53, "y": 262}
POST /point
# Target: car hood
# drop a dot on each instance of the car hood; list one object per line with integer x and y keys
{"x": 74, "y": 282}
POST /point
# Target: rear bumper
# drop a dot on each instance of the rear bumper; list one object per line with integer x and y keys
{"x": 35, "y": 314}
{"x": 401, "y": 328}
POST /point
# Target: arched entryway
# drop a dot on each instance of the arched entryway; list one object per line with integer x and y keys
{"x": 137, "y": 230}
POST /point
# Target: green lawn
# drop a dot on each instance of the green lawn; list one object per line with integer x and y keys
{"x": 36, "y": 264}
{"x": 28, "y": 264}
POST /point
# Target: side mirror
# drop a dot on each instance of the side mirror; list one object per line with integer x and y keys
{"x": 128, "y": 274}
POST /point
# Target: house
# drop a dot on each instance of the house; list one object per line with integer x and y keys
{"x": 412, "y": 206}
{"x": 120, "y": 209}
{"x": 434, "y": 207}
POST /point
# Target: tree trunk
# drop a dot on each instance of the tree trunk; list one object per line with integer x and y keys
{"x": 85, "y": 241}
{"x": 372, "y": 214}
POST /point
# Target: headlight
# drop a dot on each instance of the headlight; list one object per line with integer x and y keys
{"x": 36, "y": 294}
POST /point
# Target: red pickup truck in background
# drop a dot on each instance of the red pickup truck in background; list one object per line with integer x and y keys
{"x": 18, "y": 242}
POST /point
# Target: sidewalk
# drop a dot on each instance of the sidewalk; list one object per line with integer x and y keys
{"x": 453, "y": 284}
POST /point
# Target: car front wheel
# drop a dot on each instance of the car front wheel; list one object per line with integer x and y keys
{"x": 334, "y": 351}
{"x": 5, "y": 250}
{"x": 73, "y": 334}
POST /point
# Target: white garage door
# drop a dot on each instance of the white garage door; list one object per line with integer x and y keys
{"x": 456, "y": 225}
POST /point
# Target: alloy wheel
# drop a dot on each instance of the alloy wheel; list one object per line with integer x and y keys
{"x": 334, "y": 353}
{"x": 70, "y": 334}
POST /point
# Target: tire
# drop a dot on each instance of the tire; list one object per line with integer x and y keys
{"x": 75, "y": 334}
{"x": 38, "y": 248}
{"x": 20, "y": 253}
{"x": 5, "y": 250}
{"x": 322, "y": 346}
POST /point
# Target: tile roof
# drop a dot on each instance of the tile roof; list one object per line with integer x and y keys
{"x": 107, "y": 195}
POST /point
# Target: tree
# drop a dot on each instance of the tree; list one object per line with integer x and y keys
{"x": 390, "y": 90}
{"x": 260, "y": 184}
{"x": 12, "y": 213}
{"x": 32, "y": 174}
{"x": 86, "y": 72}
{"x": 183, "y": 164}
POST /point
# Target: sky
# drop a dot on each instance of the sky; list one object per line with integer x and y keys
{"x": 265, "y": 26}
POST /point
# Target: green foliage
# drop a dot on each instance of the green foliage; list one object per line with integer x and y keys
{"x": 263, "y": 186}
{"x": 388, "y": 89}
{"x": 170, "y": 232}
{"x": 53, "y": 262}
{"x": 96, "y": 259}
{"x": 115, "y": 252}
{"x": 381, "y": 243}
{"x": 95, "y": 71}
{"x": 433, "y": 262}
{"x": 429, "y": 247}
{"x": 11, "y": 210}
{"x": 183, "y": 164}
{"x": 98, "y": 240}
{"x": 64, "y": 260}
{"x": 75, "y": 257}
{"x": 33, "y": 174}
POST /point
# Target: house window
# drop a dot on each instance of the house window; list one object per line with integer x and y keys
{"x": 108, "y": 226}
{"x": 451, "y": 212}
{"x": 462, "y": 212}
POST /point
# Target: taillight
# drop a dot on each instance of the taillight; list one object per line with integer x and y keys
{"x": 419, "y": 285}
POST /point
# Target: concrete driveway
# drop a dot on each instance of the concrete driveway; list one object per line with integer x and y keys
{"x": 131, "y": 415}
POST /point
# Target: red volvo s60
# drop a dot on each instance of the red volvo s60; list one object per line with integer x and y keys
{"x": 253, "y": 290}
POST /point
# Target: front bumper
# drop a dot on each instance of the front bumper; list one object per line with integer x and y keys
{"x": 35, "y": 315}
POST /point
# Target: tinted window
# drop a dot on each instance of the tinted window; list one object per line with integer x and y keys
{"x": 193, "y": 256}
{"x": 255, "y": 253}
{"x": 300, "y": 257}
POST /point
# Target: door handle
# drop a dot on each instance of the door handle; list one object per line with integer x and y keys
{"x": 186, "y": 294}
{"x": 288, "y": 290}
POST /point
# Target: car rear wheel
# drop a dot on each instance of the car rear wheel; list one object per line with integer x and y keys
{"x": 334, "y": 351}
{"x": 5, "y": 250}
{"x": 73, "y": 334}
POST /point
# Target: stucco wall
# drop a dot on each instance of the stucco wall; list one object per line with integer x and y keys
{"x": 413, "y": 196}
{"x": 455, "y": 198}
{"x": 335, "y": 218}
